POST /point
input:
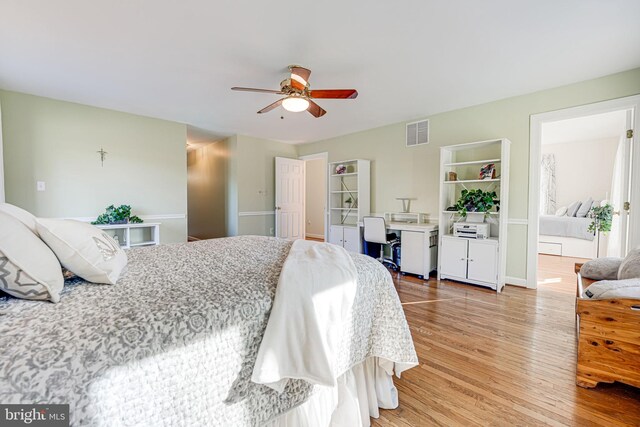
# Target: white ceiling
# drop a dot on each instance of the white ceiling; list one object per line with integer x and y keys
{"x": 408, "y": 59}
{"x": 588, "y": 128}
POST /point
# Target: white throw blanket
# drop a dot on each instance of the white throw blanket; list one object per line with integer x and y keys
{"x": 314, "y": 297}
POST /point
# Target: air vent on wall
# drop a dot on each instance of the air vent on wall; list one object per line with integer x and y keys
{"x": 417, "y": 133}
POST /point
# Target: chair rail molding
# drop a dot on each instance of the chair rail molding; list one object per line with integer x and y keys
{"x": 142, "y": 217}
{"x": 518, "y": 221}
{"x": 256, "y": 213}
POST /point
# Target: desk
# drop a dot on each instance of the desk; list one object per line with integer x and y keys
{"x": 419, "y": 246}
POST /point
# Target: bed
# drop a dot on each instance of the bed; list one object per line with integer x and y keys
{"x": 566, "y": 236}
{"x": 566, "y": 226}
{"x": 175, "y": 340}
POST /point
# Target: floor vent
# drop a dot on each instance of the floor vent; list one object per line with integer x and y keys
{"x": 417, "y": 133}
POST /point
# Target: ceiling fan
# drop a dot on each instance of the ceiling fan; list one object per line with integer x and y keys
{"x": 299, "y": 95}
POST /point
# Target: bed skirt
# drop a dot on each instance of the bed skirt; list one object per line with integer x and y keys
{"x": 358, "y": 395}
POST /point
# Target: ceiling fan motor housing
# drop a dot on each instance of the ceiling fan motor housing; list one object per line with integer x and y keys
{"x": 285, "y": 86}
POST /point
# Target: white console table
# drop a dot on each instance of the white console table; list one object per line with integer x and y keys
{"x": 134, "y": 235}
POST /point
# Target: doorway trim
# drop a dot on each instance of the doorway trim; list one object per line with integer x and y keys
{"x": 535, "y": 152}
{"x": 2, "y": 194}
{"x": 320, "y": 156}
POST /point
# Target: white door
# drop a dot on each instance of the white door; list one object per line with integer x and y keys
{"x": 483, "y": 261}
{"x": 412, "y": 252}
{"x": 618, "y": 239}
{"x": 350, "y": 239}
{"x": 453, "y": 258}
{"x": 624, "y": 205}
{"x": 289, "y": 198}
{"x": 336, "y": 235}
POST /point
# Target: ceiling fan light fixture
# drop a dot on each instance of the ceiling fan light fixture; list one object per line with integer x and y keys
{"x": 295, "y": 104}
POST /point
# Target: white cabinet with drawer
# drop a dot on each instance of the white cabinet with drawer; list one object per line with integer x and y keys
{"x": 469, "y": 260}
{"x": 419, "y": 251}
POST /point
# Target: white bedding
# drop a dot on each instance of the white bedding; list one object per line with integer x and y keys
{"x": 566, "y": 226}
{"x": 174, "y": 342}
{"x": 314, "y": 297}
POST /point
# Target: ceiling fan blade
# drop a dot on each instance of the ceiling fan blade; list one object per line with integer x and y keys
{"x": 334, "y": 93}
{"x": 250, "y": 89}
{"x": 315, "y": 109}
{"x": 299, "y": 77}
{"x": 271, "y": 106}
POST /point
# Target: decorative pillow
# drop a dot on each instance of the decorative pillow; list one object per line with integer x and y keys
{"x": 584, "y": 208}
{"x": 573, "y": 208}
{"x": 21, "y": 215}
{"x": 601, "y": 268}
{"x": 28, "y": 268}
{"x": 562, "y": 211}
{"x": 84, "y": 249}
{"x": 630, "y": 267}
{"x": 610, "y": 289}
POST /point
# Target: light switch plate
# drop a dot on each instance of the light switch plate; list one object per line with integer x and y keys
{"x": 40, "y": 186}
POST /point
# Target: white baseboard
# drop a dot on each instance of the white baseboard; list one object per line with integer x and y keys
{"x": 315, "y": 236}
{"x": 516, "y": 281}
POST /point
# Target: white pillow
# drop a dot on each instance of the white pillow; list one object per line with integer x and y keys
{"x": 21, "y": 215}
{"x": 84, "y": 249}
{"x": 630, "y": 267}
{"x": 611, "y": 289}
{"x": 573, "y": 208}
{"x": 585, "y": 207}
{"x": 28, "y": 268}
{"x": 561, "y": 211}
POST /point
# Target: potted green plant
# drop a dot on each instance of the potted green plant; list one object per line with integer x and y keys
{"x": 602, "y": 218}
{"x": 117, "y": 215}
{"x": 474, "y": 204}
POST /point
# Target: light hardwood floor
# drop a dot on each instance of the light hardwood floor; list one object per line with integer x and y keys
{"x": 500, "y": 360}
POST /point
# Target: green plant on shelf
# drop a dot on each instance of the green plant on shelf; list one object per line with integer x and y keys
{"x": 476, "y": 201}
{"x": 117, "y": 215}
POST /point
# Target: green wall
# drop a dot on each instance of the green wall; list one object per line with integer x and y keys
{"x": 251, "y": 183}
{"x": 398, "y": 171}
{"x": 56, "y": 142}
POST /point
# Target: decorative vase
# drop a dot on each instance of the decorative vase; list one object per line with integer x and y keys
{"x": 475, "y": 217}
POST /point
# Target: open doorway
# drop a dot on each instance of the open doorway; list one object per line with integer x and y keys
{"x": 315, "y": 196}
{"x": 581, "y": 171}
{"x": 583, "y": 167}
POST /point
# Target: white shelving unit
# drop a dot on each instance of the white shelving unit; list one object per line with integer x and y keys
{"x": 477, "y": 261}
{"x": 134, "y": 235}
{"x": 353, "y": 185}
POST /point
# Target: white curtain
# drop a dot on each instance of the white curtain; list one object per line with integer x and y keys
{"x": 548, "y": 185}
{"x": 617, "y": 199}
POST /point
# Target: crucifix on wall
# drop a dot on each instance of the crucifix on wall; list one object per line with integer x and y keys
{"x": 103, "y": 154}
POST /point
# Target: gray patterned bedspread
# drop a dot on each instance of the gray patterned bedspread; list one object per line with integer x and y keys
{"x": 173, "y": 343}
